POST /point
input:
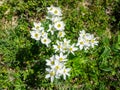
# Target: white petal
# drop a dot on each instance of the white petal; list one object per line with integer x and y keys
{"x": 52, "y": 79}
{"x": 64, "y": 76}
{"x": 47, "y": 76}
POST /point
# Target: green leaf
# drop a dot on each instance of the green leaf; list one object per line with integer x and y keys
{"x": 106, "y": 52}
{"x": 106, "y": 69}
{"x": 118, "y": 39}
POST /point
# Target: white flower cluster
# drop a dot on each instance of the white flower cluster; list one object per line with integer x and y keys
{"x": 65, "y": 47}
{"x": 57, "y": 67}
{"x": 38, "y": 33}
{"x": 56, "y": 64}
{"x": 86, "y": 40}
{"x": 55, "y": 16}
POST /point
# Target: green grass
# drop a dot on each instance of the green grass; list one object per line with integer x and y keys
{"x": 22, "y": 59}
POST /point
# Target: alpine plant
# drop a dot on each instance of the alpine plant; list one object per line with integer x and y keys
{"x": 56, "y": 64}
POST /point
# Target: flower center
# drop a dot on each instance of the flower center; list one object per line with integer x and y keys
{"x": 36, "y": 35}
{"x": 65, "y": 43}
{"x": 45, "y": 40}
{"x": 59, "y": 46}
{"x": 84, "y": 35}
{"x": 93, "y": 41}
{"x": 52, "y": 29}
{"x": 43, "y": 33}
{"x": 59, "y": 25}
{"x": 37, "y": 27}
{"x": 57, "y": 67}
{"x": 87, "y": 40}
{"x": 52, "y": 62}
{"x": 52, "y": 73}
{"x": 51, "y": 9}
{"x": 71, "y": 49}
{"x": 60, "y": 58}
{"x": 60, "y": 33}
{"x": 65, "y": 48}
{"x": 64, "y": 71}
{"x": 81, "y": 42}
{"x": 55, "y": 11}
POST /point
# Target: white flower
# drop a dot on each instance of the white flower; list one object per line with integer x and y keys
{"x": 72, "y": 48}
{"x": 59, "y": 25}
{"x": 80, "y": 43}
{"x": 57, "y": 67}
{"x": 87, "y": 39}
{"x": 51, "y": 74}
{"x": 82, "y": 34}
{"x": 37, "y": 26}
{"x": 66, "y": 45}
{"x": 50, "y": 9}
{"x": 61, "y": 34}
{"x": 93, "y": 41}
{"x": 55, "y": 19}
{"x": 61, "y": 57}
{"x": 66, "y": 42}
{"x": 45, "y": 41}
{"x": 51, "y": 62}
{"x": 58, "y": 47}
{"x": 44, "y": 34}
{"x": 65, "y": 72}
{"x": 51, "y": 29}
{"x": 56, "y": 11}
{"x": 35, "y": 35}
